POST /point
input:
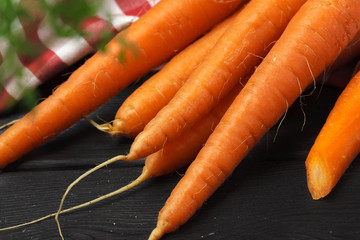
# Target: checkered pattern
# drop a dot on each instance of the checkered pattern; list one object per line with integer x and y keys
{"x": 58, "y": 54}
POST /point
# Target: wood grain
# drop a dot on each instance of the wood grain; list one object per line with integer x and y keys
{"x": 265, "y": 198}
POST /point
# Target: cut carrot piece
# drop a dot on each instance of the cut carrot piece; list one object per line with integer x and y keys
{"x": 337, "y": 144}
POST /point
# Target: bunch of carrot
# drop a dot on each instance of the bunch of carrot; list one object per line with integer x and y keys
{"x": 213, "y": 101}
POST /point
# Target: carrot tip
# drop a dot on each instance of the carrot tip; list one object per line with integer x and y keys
{"x": 319, "y": 181}
{"x": 156, "y": 234}
{"x": 162, "y": 227}
{"x": 113, "y": 128}
{"x": 119, "y": 127}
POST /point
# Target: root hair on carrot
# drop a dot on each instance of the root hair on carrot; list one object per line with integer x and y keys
{"x": 8, "y": 124}
{"x": 313, "y": 78}
{"x": 243, "y": 142}
{"x": 179, "y": 173}
{"x": 301, "y": 97}
{"x": 256, "y": 55}
{"x": 302, "y": 111}
{"x": 269, "y": 46}
{"x": 281, "y": 121}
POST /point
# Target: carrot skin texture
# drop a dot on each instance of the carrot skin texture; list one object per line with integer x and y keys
{"x": 146, "y": 101}
{"x": 175, "y": 155}
{"x": 184, "y": 149}
{"x": 337, "y": 144}
{"x": 155, "y": 36}
{"x": 325, "y": 26}
{"x": 349, "y": 53}
{"x": 233, "y": 57}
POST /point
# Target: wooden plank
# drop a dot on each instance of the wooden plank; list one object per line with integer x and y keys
{"x": 265, "y": 198}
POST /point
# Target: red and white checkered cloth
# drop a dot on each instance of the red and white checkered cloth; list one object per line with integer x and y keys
{"x": 60, "y": 53}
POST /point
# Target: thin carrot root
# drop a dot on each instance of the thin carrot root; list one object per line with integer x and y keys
{"x": 31, "y": 222}
{"x": 146, "y": 174}
{"x": 108, "y": 127}
{"x": 8, "y": 124}
{"x": 112, "y": 160}
{"x": 105, "y": 127}
{"x": 158, "y": 232}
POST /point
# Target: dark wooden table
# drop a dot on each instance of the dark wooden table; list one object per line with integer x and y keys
{"x": 265, "y": 198}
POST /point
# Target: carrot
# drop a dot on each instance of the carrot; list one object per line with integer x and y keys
{"x": 349, "y": 53}
{"x": 143, "y": 104}
{"x": 339, "y": 73}
{"x": 315, "y": 36}
{"x": 184, "y": 149}
{"x": 337, "y": 144}
{"x": 164, "y": 30}
{"x": 234, "y": 56}
{"x": 174, "y": 156}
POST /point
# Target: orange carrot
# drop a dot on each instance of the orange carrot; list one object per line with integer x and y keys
{"x": 174, "y": 156}
{"x": 164, "y": 30}
{"x": 315, "y": 36}
{"x": 234, "y": 56}
{"x": 184, "y": 149}
{"x": 337, "y": 143}
{"x": 143, "y": 104}
{"x": 344, "y": 67}
{"x": 350, "y": 52}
